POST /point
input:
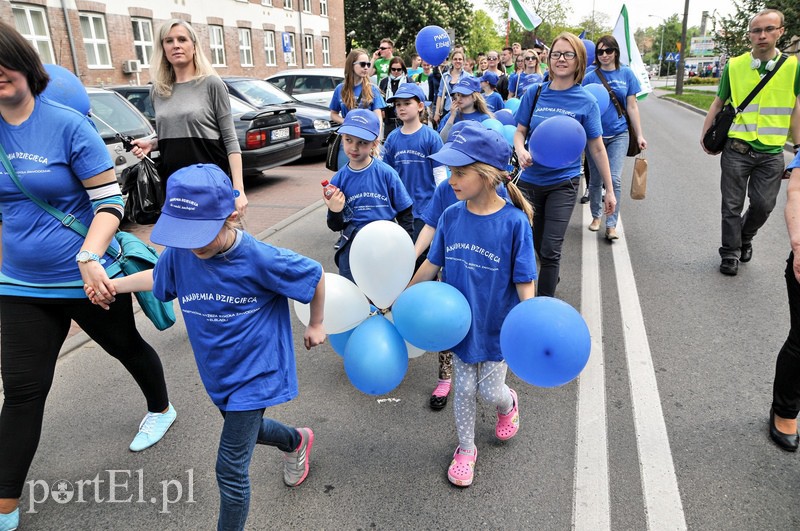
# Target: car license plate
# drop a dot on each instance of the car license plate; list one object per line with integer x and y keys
{"x": 280, "y": 134}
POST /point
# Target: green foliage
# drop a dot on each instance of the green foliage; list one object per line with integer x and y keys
{"x": 731, "y": 31}
{"x": 553, "y": 14}
{"x": 696, "y": 99}
{"x": 372, "y": 20}
{"x": 697, "y": 80}
{"x": 483, "y": 35}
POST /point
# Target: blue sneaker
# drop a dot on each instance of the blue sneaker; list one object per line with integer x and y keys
{"x": 10, "y": 521}
{"x": 152, "y": 429}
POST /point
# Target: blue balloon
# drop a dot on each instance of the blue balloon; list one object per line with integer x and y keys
{"x": 65, "y": 88}
{"x": 589, "y": 51}
{"x": 433, "y": 44}
{"x": 432, "y": 315}
{"x": 600, "y": 94}
{"x": 493, "y": 124}
{"x": 508, "y": 134}
{"x": 545, "y": 341}
{"x": 375, "y": 358}
{"x": 512, "y": 104}
{"x": 339, "y": 341}
{"x": 557, "y": 142}
{"x": 506, "y": 117}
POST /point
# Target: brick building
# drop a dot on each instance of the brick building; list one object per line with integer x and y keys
{"x": 111, "y": 42}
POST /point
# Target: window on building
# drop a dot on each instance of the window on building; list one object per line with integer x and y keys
{"x": 31, "y": 23}
{"x": 323, "y": 8}
{"x": 307, "y": 6}
{"x": 269, "y": 48}
{"x": 293, "y": 53}
{"x": 326, "y": 51}
{"x": 266, "y": 2}
{"x": 95, "y": 40}
{"x": 216, "y": 36}
{"x": 308, "y": 49}
{"x": 287, "y": 4}
{"x": 245, "y": 47}
{"x": 143, "y": 40}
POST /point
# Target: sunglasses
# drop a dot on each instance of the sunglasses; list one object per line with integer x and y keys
{"x": 396, "y": 69}
{"x": 606, "y": 51}
{"x": 531, "y": 58}
{"x": 363, "y": 64}
{"x": 492, "y": 58}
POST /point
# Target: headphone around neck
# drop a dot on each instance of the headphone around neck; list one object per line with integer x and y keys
{"x": 755, "y": 62}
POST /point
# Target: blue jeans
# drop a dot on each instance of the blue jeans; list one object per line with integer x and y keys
{"x": 240, "y": 433}
{"x": 617, "y": 149}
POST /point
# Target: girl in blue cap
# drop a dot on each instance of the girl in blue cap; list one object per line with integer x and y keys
{"x": 233, "y": 292}
{"x": 484, "y": 245}
{"x": 468, "y": 104}
{"x": 367, "y": 189}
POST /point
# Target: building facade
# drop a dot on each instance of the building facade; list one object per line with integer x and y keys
{"x": 111, "y": 42}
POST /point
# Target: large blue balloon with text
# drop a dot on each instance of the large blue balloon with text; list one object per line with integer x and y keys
{"x": 433, "y": 45}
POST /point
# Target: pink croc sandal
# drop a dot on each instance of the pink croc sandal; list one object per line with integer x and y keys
{"x": 462, "y": 468}
{"x": 508, "y": 425}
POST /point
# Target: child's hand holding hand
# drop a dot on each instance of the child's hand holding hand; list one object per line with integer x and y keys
{"x": 96, "y": 298}
{"x": 336, "y": 201}
{"x": 314, "y": 335}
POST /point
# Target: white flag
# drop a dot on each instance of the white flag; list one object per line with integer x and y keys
{"x": 629, "y": 53}
{"x": 523, "y": 15}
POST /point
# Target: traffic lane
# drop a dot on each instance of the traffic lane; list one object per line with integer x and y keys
{"x": 713, "y": 338}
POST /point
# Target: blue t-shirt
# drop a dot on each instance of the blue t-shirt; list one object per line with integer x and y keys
{"x": 237, "y": 315}
{"x": 337, "y": 103}
{"x": 795, "y": 163}
{"x": 519, "y": 82}
{"x": 443, "y": 197}
{"x": 373, "y": 193}
{"x": 484, "y": 257}
{"x": 624, "y": 83}
{"x": 494, "y": 101}
{"x": 52, "y": 152}
{"x": 574, "y": 102}
{"x": 408, "y": 155}
{"x": 477, "y": 116}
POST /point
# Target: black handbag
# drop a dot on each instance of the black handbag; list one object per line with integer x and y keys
{"x": 633, "y": 138}
{"x": 714, "y": 139}
{"x": 332, "y": 158}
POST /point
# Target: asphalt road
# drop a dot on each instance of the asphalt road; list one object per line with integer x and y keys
{"x": 666, "y": 429}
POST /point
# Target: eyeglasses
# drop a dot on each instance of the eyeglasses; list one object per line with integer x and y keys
{"x": 606, "y": 51}
{"x": 363, "y": 64}
{"x": 384, "y": 48}
{"x": 555, "y": 56}
{"x": 396, "y": 69}
{"x": 531, "y": 58}
{"x": 768, "y": 29}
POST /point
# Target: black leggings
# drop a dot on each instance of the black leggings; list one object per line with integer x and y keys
{"x": 32, "y": 336}
{"x": 786, "y": 387}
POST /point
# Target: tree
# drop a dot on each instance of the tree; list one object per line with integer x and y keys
{"x": 553, "y": 15}
{"x": 483, "y": 34}
{"x": 731, "y": 32}
{"x": 372, "y": 20}
{"x": 595, "y": 27}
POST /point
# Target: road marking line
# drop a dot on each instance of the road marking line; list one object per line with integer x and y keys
{"x": 663, "y": 506}
{"x": 591, "y": 509}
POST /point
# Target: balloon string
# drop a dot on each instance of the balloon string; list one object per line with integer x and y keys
{"x": 489, "y": 374}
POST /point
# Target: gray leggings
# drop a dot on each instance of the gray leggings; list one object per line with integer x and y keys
{"x": 487, "y": 379}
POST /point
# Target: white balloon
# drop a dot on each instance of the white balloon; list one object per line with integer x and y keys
{"x": 382, "y": 261}
{"x": 345, "y": 306}
{"x": 413, "y": 352}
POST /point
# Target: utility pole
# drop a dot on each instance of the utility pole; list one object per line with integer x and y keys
{"x": 680, "y": 65}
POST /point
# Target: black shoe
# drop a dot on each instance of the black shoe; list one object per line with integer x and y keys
{"x": 747, "y": 252}
{"x": 585, "y": 197}
{"x": 787, "y": 441}
{"x": 729, "y": 266}
{"x": 438, "y": 402}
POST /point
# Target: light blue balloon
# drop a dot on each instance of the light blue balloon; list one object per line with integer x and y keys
{"x": 545, "y": 341}
{"x": 508, "y": 133}
{"x": 589, "y": 51}
{"x": 65, "y": 88}
{"x": 600, "y": 94}
{"x": 493, "y": 124}
{"x": 512, "y": 104}
{"x": 375, "y": 358}
{"x": 506, "y": 117}
{"x": 339, "y": 341}
{"x": 433, "y": 316}
{"x": 557, "y": 142}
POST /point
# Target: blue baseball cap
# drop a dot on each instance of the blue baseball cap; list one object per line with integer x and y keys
{"x": 361, "y": 123}
{"x": 475, "y": 143}
{"x": 458, "y": 126}
{"x": 406, "y": 91}
{"x": 490, "y": 77}
{"x": 467, "y": 85}
{"x": 199, "y": 200}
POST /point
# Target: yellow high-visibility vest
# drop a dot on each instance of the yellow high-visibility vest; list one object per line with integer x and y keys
{"x": 768, "y": 116}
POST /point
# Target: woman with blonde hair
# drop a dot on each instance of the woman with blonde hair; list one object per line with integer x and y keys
{"x": 449, "y": 81}
{"x": 531, "y": 73}
{"x": 193, "y": 111}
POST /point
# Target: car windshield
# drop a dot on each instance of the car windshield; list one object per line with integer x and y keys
{"x": 261, "y": 93}
{"x": 112, "y": 109}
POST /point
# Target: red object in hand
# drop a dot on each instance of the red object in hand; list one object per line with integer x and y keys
{"x": 327, "y": 189}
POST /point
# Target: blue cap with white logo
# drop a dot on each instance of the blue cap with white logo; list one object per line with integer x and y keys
{"x": 361, "y": 123}
{"x": 475, "y": 143}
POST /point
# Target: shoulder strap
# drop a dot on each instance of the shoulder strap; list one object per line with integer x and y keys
{"x": 68, "y": 220}
{"x": 617, "y": 104}
{"x": 536, "y": 98}
{"x": 761, "y": 84}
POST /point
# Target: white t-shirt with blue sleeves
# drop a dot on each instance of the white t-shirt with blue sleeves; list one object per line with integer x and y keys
{"x": 236, "y": 309}
{"x": 372, "y": 194}
{"x": 574, "y": 102}
{"x": 624, "y": 83}
{"x": 484, "y": 257}
{"x": 408, "y": 155}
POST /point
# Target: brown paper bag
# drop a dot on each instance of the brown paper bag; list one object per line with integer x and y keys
{"x": 639, "y": 181}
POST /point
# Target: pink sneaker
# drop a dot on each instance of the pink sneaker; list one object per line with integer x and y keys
{"x": 462, "y": 468}
{"x": 508, "y": 425}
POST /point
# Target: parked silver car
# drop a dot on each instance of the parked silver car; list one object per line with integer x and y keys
{"x": 312, "y": 85}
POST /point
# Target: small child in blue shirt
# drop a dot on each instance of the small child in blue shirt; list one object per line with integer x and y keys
{"x": 494, "y": 101}
{"x": 233, "y": 291}
{"x": 367, "y": 189}
{"x": 484, "y": 244}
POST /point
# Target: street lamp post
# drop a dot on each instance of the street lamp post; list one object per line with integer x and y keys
{"x": 661, "y": 53}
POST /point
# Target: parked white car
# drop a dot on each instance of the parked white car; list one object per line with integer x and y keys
{"x": 312, "y": 85}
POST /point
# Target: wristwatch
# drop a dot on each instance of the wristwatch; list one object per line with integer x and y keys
{"x": 87, "y": 256}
